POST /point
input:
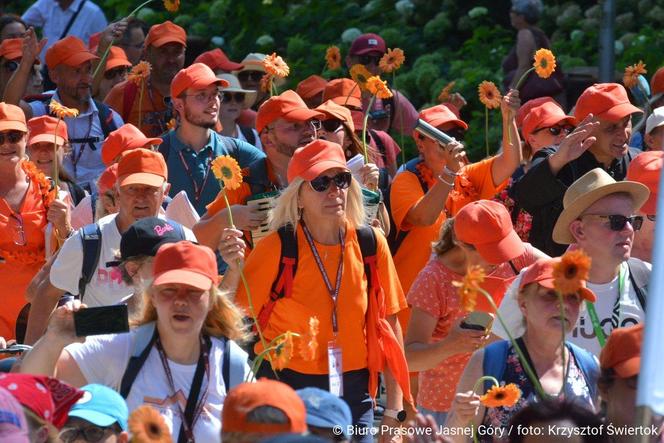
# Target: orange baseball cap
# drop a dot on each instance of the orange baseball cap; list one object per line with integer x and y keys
{"x": 310, "y": 86}
{"x": 315, "y": 158}
{"x": 47, "y": 129}
{"x": 196, "y": 76}
{"x": 217, "y": 59}
{"x": 125, "y": 138}
{"x": 488, "y": 227}
{"x": 607, "y": 101}
{"x": 246, "y": 397}
{"x": 93, "y": 41}
{"x": 657, "y": 82}
{"x": 12, "y": 117}
{"x": 108, "y": 178}
{"x": 441, "y": 114}
{"x": 12, "y": 49}
{"x": 543, "y": 116}
{"x": 70, "y": 51}
{"x": 541, "y": 272}
{"x": 166, "y": 32}
{"x": 186, "y": 262}
{"x": 287, "y": 105}
{"x": 116, "y": 58}
{"x": 530, "y": 104}
{"x": 622, "y": 351}
{"x": 333, "y": 110}
{"x": 646, "y": 169}
{"x": 344, "y": 92}
{"x": 142, "y": 166}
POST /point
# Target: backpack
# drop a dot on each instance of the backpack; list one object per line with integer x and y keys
{"x": 105, "y": 115}
{"x": 396, "y": 237}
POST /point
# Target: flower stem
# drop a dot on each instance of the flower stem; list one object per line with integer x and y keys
{"x": 523, "y": 78}
{"x": 140, "y": 105}
{"x": 396, "y": 101}
{"x": 350, "y": 93}
{"x": 364, "y": 129}
{"x": 56, "y": 172}
{"x": 562, "y": 341}
{"x": 486, "y": 130}
{"x": 481, "y": 380}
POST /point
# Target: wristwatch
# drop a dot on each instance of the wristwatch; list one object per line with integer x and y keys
{"x": 399, "y": 416}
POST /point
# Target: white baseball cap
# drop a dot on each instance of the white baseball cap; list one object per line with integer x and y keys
{"x": 655, "y": 119}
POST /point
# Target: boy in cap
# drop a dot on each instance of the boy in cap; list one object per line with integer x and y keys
{"x": 326, "y": 414}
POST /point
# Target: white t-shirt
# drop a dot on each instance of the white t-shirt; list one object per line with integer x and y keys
{"x": 103, "y": 359}
{"x": 583, "y": 334}
{"x": 106, "y": 286}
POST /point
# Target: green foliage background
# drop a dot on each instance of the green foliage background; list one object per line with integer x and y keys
{"x": 444, "y": 40}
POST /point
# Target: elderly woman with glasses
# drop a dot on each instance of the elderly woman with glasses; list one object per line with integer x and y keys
{"x": 319, "y": 218}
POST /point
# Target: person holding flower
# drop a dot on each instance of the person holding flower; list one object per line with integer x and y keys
{"x": 187, "y": 327}
{"x": 562, "y": 370}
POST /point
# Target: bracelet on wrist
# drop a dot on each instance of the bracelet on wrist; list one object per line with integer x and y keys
{"x": 440, "y": 178}
{"x": 448, "y": 171}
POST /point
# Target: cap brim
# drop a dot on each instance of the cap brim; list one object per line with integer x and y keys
{"x": 112, "y": 64}
{"x": 184, "y": 276}
{"x": 508, "y": 248}
{"x": 302, "y": 115}
{"x": 628, "y": 368}
{"x": 6, "y": 125}
{"x": 561, "y": 233}
{"x": 441, "y": 121}
{"x": 252, "y": 65}
{"x": 619, "y": 112}
{"x": 325, "y": 421}
{"x": 318, "y": 168}
{"x": 94, "y": 417}
{"x": 142, "y": 178}
{"x": 348, "y": 101}
{"x": 12, "y": 55}
{"x": 46, "y": 138}
{"x": 367, "y": 51}
{"x": 555, "y": 119}
{"x": 140, "y": 142}
{"x": 167, "y": 39}
{"x": 79, "y": 58}
{"x": 231, "y": 66}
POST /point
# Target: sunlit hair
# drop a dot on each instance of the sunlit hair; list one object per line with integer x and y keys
{"x": 286, "y": 210}
{"x": 223, "y": 320}
{"x": 445, "y": 240}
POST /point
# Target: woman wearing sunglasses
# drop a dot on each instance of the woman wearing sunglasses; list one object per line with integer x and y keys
{"x": 321, "y": 212}
{"x": 234, "y": 100}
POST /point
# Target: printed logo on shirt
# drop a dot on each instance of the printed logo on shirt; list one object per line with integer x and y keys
{"x": 109, "y": 276}
{"x": 167, "y": 406}
{"x": 584, "y": 327}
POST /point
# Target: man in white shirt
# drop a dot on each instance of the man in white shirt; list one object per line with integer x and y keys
{"x": 141, "y": 188}
{"x": 598, "y": 217}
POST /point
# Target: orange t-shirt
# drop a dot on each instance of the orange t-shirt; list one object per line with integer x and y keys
{"x": 475, "y": 182}
{"x": 153, "y": 109}
{"x": 310, "y": 297}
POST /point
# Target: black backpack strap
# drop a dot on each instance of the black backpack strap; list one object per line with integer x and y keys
{"x": 411, "y": 166}
{"x": 248, "y": 134}
{"x": 134, "y": 366}
{"x": 77, "y": 193}
{"x": 105, "y": 118}
{"x": 639, "y": 276}
{"x": 366, "y": 237}
{"x": 93, "y": 202}
{"x": 226, "y": 364}
{"x": 72, "y": 20}
{"x": 514, "y": 269}
{"x": 194, "y": 392}
{"x": 91, "y": 239}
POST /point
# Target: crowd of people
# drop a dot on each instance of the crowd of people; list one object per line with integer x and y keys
{"x": 312, "y": 287}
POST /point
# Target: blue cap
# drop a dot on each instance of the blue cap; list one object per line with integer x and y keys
{"x": 325, "y": 410}
{"x": 101, "y": 406}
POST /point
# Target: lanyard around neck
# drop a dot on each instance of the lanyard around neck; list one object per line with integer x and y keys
{"x": 615, "y": 313}
{"x": 198, "y": 191}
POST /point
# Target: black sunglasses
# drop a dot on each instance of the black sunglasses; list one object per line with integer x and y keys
{"x": 89, "y": 433}
{"x": 11, "y": 137}
{"x": 322, "y": 183}
{"x": 253, "y": 75}
{"x": 556, "y": 130}
{"x": 227, "y": 97}
{"x": 457, "y": 133}
{"x": 370, "y": 59}
{"x": 330, "y": 125}
{"x": 111, "y": 74}
{"x": 618, "y": 222}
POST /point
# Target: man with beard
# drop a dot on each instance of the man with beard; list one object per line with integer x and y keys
{"x": 190, "y": 149}
{"x": 70, "y": 66}
{"x": 165, "y": 46}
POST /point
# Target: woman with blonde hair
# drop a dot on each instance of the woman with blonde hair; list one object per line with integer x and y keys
{"x": 183, "y": 346}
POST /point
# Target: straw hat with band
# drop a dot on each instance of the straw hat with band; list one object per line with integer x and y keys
{"x": 235, "y": 86}
{"x": 591, "y": 187}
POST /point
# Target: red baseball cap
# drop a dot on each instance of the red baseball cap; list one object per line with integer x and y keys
{"x": 142, "y": 166}
{"x": 657, "y": 82}
{"x": 315, "y": 158}
{"x": 47, "y": 129}
{"x": 108, "y": 178}
{"x": 541, "y": 272}
{"x": 622, "y": 351}
{"x": 333, "y": 110}
{"x": 187, "y": 263}
{"x": 196, "y": 76}
{"x": 543, "y": 116}
{"x": 287, "y": 105}
{"x": 310, "y": 86}
{"x": 487, "y": 226}
{"x": 70, "y": 51}
{"x": 344, "y": 92}
{"x": 246, "y": 397}
{"x": 217, "y": 59}
{"x": 12, "y": 117}
{"x": 530, "y": 104}
{"x": 367, "y": 43}
{"x": 12, "y": 49}
{"x": 125, "y": 138}
{"x": 166, "y": 32}
{"x": 607, "y": 101}
{"x": 440, "y": 114}
{"x": 116, "y": 58}
{"x": 646, "y": 169}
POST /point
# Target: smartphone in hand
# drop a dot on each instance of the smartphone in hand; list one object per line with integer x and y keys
{"x": 478, "y": 321}
{"x": 101, "y": 320}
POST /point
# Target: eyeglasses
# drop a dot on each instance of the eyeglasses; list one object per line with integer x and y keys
{"x": 227, "y": 97}
{"x": 456, "y": 133}
{"x": 618, "y": 222}
{"x": 18, "y": 231}
{"x": 113, "y": 73}
{"x": 11, "y": 137}
{"x": 322, "y": 183}
{"x": 298, "y": 126}
{"x": 369, "y": 59}
{"x": 90, "y": 434}
{"x": 253, "y": 75}
{"x": 331, "y": 125}
{"x": 556, "y": 130}
{"x": 204, "y": 98}
{"x": 652, "y": 218}
{"x": 169, "y": 294}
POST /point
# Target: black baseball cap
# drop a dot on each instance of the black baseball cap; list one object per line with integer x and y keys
{"x": 145, "y": 236}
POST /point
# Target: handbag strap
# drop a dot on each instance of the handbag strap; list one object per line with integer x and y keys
{"x": 72, "y": 20}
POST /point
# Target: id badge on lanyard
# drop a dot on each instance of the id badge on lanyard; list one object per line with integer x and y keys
{"x": 335, "y": 368}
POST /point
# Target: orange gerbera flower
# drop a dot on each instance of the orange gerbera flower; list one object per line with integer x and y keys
{"x": 309, "y": 342}
{"x": 632, "y": 72}
{"x": 333, "y": 58}
{"x": 140, "y": 72}
{"x": 571, "y": 271}
{"x": 505, "y": 396}
{"x": 226, "y": 169}
{"x": 444, "y": 95}
{"x": 266, "y": 83}
{"x": 489, "y": 95}
{"x": 172, "y": 5}
{"x": 146, "y": 425}
{"x": 172, "y": 123}
{"x": 392, "y": 60}
{"x": 276, "y": 66}
{"x": 469, "y": 287}
{"x": 61, "y": 111}
{"x": 545, "y": 63}
{"x": 283, "y": 351}
{"x": 360, "y": 74}
{"x": 378, "y": 87}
